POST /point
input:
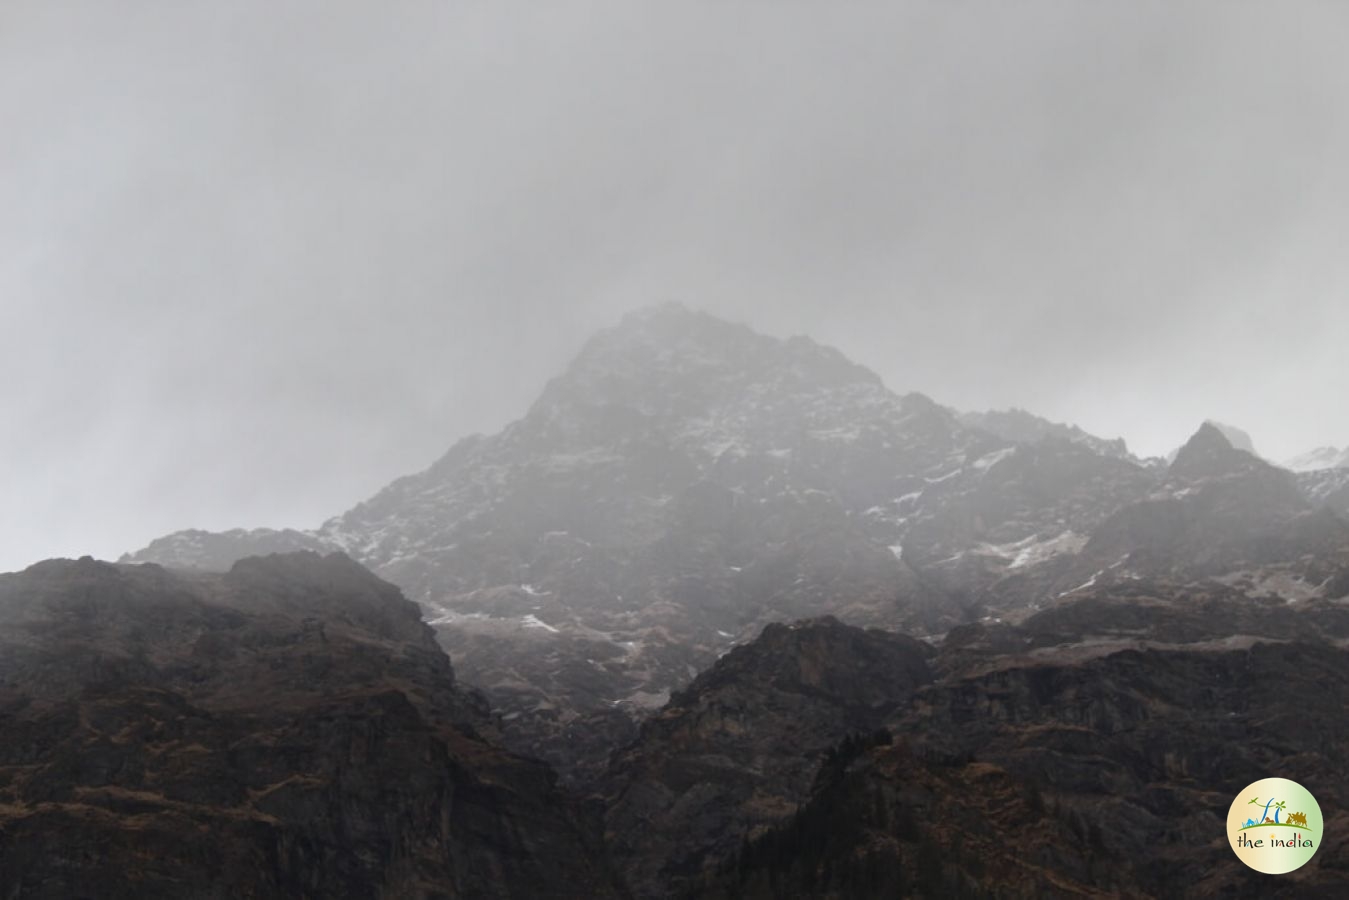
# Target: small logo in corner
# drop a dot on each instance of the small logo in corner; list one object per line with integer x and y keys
{"x": 1274, "y": 826}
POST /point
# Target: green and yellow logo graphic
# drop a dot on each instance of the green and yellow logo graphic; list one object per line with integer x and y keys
{"x": 1274, "y": 826}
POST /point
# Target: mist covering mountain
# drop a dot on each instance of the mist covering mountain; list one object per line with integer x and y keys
{"x": 1320, "y": 458}
{"x": 686, "y": 481}
{"x": 446, "y": 567}
{"x": 786, "y": 629}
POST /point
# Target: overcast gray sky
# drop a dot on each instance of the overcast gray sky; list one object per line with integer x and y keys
{"x": 259, "y": 258}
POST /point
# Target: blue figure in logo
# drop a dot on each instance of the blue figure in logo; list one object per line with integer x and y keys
{"x": 1248, "y": 823}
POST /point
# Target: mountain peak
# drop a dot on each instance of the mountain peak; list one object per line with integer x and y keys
{"x": 1235, "y": 436}
{"x": 670, "y": 358}
{"x": 674, "y": 333}
{"x": 1209, "y": 453}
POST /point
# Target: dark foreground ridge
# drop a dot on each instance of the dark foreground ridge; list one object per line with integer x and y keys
{"x": 287, "y": 729}
{"x": 1091, "y": 751}
{"x": 738, "y": 749}
{"x": 291, "y": 728}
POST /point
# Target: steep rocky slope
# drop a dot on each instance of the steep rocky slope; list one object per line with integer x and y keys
{"x": 738, "y": 749}
{"x": 1323, "y": 477}
{"x": 687, "y": 481}
{"x": 1221, "y": 513}
{"x": 683, "y": 483}
{"x": 288, "y": 729}
{"x": 1326, "y": 487}
{"x": 1091, "y": 751}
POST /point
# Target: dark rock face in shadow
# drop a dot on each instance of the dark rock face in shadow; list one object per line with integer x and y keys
{"x": 287, "y": 729}
{"x": 1092, "y": 750}
{"x": 738, "y": 749}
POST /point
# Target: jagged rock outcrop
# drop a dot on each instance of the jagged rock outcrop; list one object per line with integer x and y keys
{"x": 1026, "y": 428}
{"x": 287, "y": 729}
{"x": 1091, "y": 751}
{"x": 1000, "y": 540}
{"x": 1235, "y": 436}
{"x": 1210, "y": 454}
{"x": 211, "y": 551}
{"x": 738, "y": 749}
{"x": 1222, "y": 513}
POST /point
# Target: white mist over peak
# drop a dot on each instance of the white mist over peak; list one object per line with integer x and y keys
{"x": 1320, "y": 458}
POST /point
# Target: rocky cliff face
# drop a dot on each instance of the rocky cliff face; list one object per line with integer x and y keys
{"x": 738, "y": 749}
{"x": 687, "y": 481}
{"x": 1328, "y": 488}
{"x": 1091, "y": 751}
{"x": 291, "y": 729}
{"x": 287, "y": 729}
{"x": 1224, "y": 514}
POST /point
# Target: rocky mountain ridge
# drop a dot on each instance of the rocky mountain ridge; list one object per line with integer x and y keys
{"x": 1092, "y": 750}
{"x": 1023, "y": 427}
{"x": 687, "y": 481}
{"x": 737, "y": 749}
{"x": 289, "y": 728}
